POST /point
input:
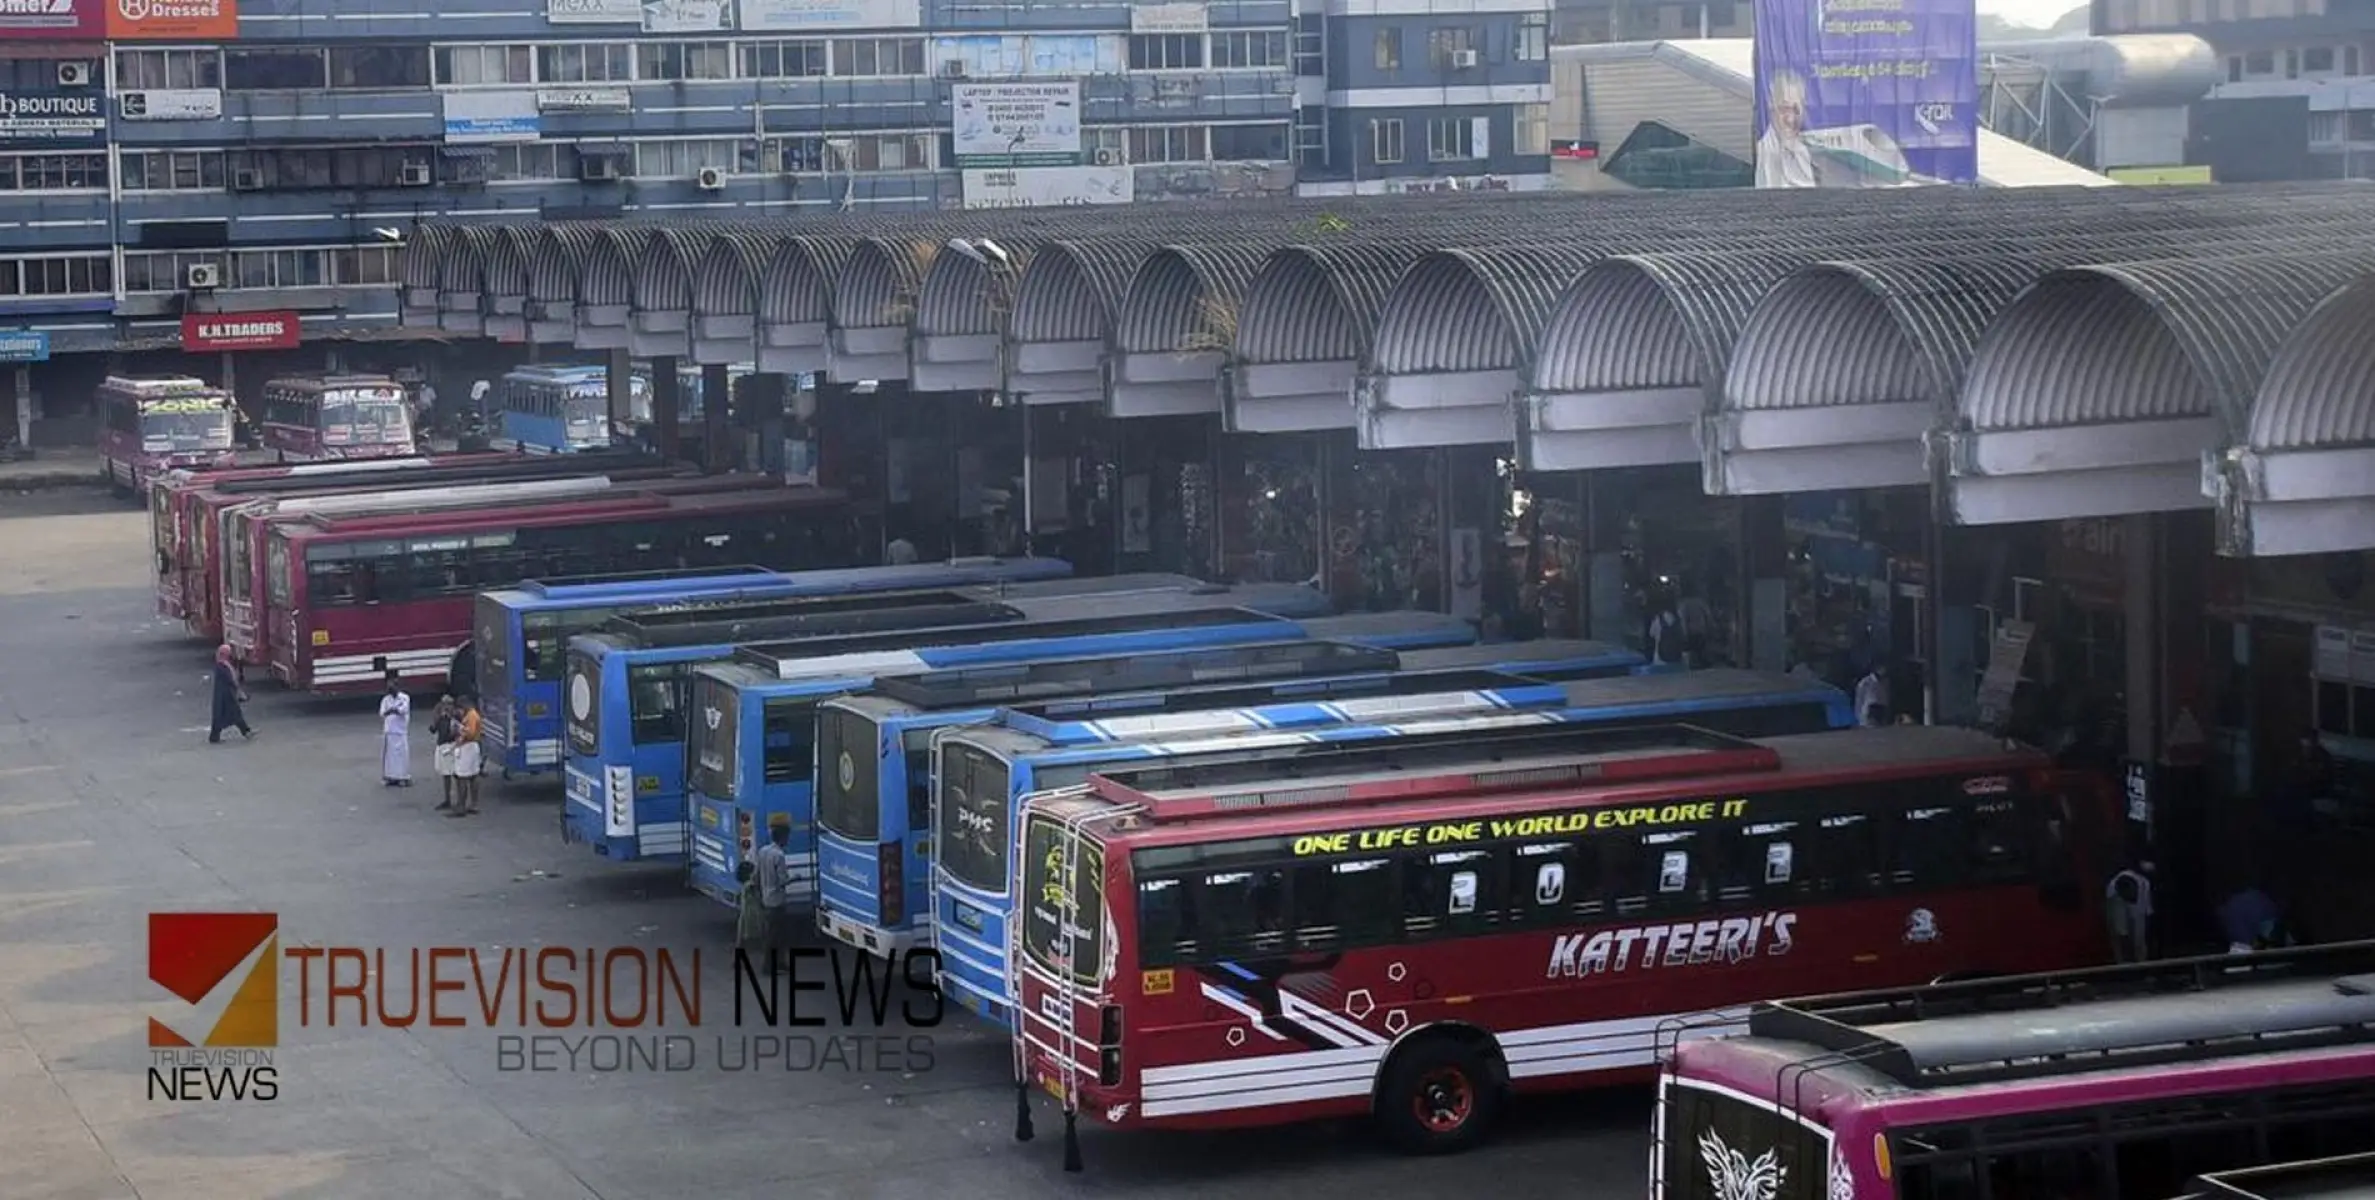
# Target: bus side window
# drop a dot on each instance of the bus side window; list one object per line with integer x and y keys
{"x": 1757, "y": 862}
{"x": 1450, "y": 893}
{"x": 788, "y": 732}
{"x": 1661, "y": 871}
{"x": 1346, "y": 903}
{"x": 1243, "y": 912}
{"x": 1166, "y": 922}
{"x": 1843, "y": 855}
{"x": 1552, "y": 883}
{"x": 1928, "y": 849}
{"x": 1999, "y": 845}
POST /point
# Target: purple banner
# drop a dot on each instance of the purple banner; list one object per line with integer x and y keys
{"x": 53, "y": 20}
{"x": 1866, "y": 93}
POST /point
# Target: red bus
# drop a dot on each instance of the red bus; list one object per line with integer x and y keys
{"x": 2120, "y": 1083}
{"x": 152, "y": 424}
{"x": 315, "y": 417}
{"x": 351, "y": 597}
{"x": 1414, "y": 938}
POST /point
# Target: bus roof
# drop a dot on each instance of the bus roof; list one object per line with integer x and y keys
{"x": 1548, "y": 658}
{"x": 1395, "y": 630}
{"x": 662, "y": 578}
{"x": 2028, "y": 1027}
{"x": 559, "y": 512}
{"x": 427, "y": 472}
{"x": 797, "y": 614}
{"x": 2348, "y": 1177}
{"x": 991, "y": 685}
{"x": 904, "y": 652}
{"x": 331, "y": 382}
{"x": 699, "y": 587}
{"x": 566, "y": 372}
{"x": 157, "y": 383}
{"x": 1045, "y": 716}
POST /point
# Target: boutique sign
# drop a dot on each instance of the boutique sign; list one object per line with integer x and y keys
{"x": 26, "y": 116}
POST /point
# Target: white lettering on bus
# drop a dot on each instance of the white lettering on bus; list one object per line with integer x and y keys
{"x": 1684, "y": 943}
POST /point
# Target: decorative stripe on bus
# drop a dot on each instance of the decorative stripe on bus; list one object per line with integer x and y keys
{"x": 347, "y": 667}
{"x": 1365, "y": 710}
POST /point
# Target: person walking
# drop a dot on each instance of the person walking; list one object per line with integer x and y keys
{"x": 2127, "y": 911}
{"x": 229, "y": 695}
{"x": 467, "y": 760}
{"x": 775, "y": 878}
{"x": 444, "y": 725}
{"x": 395, "y": 735}
{"x": 750, "y": 915}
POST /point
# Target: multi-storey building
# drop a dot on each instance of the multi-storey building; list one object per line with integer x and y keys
{"x": 267, "y": 156}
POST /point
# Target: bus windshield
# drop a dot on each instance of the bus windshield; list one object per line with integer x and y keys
{"x": 1053, "y": 905}
{"x": 711, "y": 746}
{"x": 973, "y": 836}
{"x": 185, "y": 423}
{"x": 364, "y": 416}
{"x": 848, "y": 766}
{"x": 587, "y": 410}
{"x": 583, "y": 701}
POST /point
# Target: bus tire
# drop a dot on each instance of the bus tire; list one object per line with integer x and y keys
{"x": 1440, "y": 1093}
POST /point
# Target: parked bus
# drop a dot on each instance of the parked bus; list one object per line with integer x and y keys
{"x": 350, "y": 598}
{"x": 315, "y": 417}
{"x": 625, "y": 721}
{"x": 548, "y": 410}
{"x": 873, "y": 844}
{"x": 155, "y": 423}
{"x": 524, "y": 631}
{"x": 2345, "y": 1177}
{"x": 984, "y": 775}
{"x": 2119, "y": 1083}
{"x": 1217, "y": 949}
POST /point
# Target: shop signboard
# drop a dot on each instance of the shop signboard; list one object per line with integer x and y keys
{"x": 478, "y": 118}
{"x": 214, "y": 333}
{"x": 171, "y": 104}
{"x": 1169, "y": 18}
{"x": 800, "y": 16}
{"x": 688, "y": 16}
{"x": 1866, "y": 93}
{"x": 173, "y": 20}
{"x": 53, "y": 20}
{"x": 24, "y": 345}
{"x": 1048, "y": 187}
{"x": 593, "y": 12}
{"x": 584, "y": 100}
{"x": 51, "y": 116}
{"x": 1016, "y": 124}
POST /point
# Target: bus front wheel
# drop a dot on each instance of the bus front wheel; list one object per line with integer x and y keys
{"x": 1440, "y": 1094}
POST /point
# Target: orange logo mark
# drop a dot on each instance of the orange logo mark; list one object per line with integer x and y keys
{"x": 226, "y": 968}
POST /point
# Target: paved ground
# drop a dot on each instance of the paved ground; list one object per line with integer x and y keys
{"x": 112, "y": 805}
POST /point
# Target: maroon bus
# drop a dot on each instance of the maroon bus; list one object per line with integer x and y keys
{"x": 310, "y": 418}
{"x": 152, "y": 424}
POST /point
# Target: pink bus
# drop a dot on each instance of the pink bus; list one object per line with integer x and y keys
{"x": 308, "y": 418}
{"x": 2116, "y": 1083}
{"x": 153, "y": 424}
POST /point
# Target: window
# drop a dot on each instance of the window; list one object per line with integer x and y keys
{"x": 367, "y": 68}
{"x": 2350, "y": 60}
{"x": 685, "y": 60}
{"x": 585, "y": 62}
{"x": 53, "y": 172}
{"x": 172, "y": 170}
{"x": 1344, "y": 904}
{"x": 1532, "y": 43}
{"x": 883, "y": 152}
{"x": 1553, "y": 883}
{"x": 304, "y": 169}
{"x": 1451, "y": 893}
{"x": 57, "y": 275}
{"x": 353, "y": 266}
{"x": 515, "y": 161}
{"x": 1453, "y": 139}
{"x": 472, "y": 66}
{"x": 1170, "y": 143}
{"x": 1385, "y": 140}
{"x": 655, "y": 701}
{"x": 1530, "y": 129}
{"x": 38, "y": 74}
{"x": 1166, "y": 925}
{"x": 279, "y": 268}
{"x": 879, "y": 56}
{"x": 789, "y": 155}
{"x": 1660, "y": 872}
{"x": 1387, "y": 50}
{"x": 2318, "y": 60}
{"x": 684, "y": 158}
{"x": 297, "y": 68}
{"x": 1266, "y": 143}
{"x": 1166, "y": 51}
{"x": 786, "y": 60}
{"x": 1241, "y": 912}
{"x": 160, "y": 271}
{"x": 357, "y": 573}
{"x": 2259, "y": 62}
{"x": 1245, "y": 48}
{"x": 138, "y": 70}
{"x": 1451, "y": 49}
{"x": 788, "y": 732}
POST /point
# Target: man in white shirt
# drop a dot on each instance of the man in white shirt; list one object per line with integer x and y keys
{"x": 1784, "y": 160}
{"x": 1871, "y": 699}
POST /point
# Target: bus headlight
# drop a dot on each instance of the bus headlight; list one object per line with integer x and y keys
{"x": 618, "y": 809}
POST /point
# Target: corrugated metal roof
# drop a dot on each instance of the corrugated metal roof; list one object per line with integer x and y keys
{"x": 1318, "y": 303}
{"x": 1186, "y": 296}
{"x": 1654, "y": 320}
{"x": 663, "y": 279}
{"x": 797, "y": 285}
{"x": 463, "y": 265}
{"x": 561, "y": 252}
{"x": 1869, "y": 331}
{"x": 2319, "y": 393}
{"x": 969, "y": 293}
{"x": 1472, "y": 310}
{"x": 1073, "y": 288}
{"x": 726, "y": 276}
{"x": 421, "y": 262}
{"x": 507, "y": 260}
{"x": 878, "y": 286}
{"x": 606, "y": 272}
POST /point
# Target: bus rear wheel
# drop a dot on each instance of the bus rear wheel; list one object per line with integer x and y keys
{"x": 1439, "y": 1096}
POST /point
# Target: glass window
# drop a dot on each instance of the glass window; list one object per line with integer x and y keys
{"x": 1931, "y": 848}
{"x": 684, "y": 158}
{"x": 1451, "y": 49}
{"x": 879, "y": 56}
{"x": 1660, "y": 871}
{"x": 1170, "y": 143}
{"x": 1242, "y": 912}
{"x": 1166, "y": 51}
{"x": 1756, "y": 863}
{"x": 1260, "y": 143}
{"x": 365, "y": 68}
{"x": 1249, "y": 48}
{"x": 685, "y": 60}
{"x": 284, "y": 69}
{"x": 1385, "y": 140}
{"x": 1552, "y": 883}
{"x": 1532, "y": 43}
{"x": 1166, "y": 922}
{"x": 474, "y": 66}
{"x": 528, "y": 160}
{"x": 585, "y": 62}
{"x": 1450, "y": 893}
{"x": 1452, "y": 139}
{"x": 1346, "y": 903}
{"x": 1386, "y": 49}
{"x": 800, "y": 59}
{"x": 655, "y": 701}
{"x": 145, "y": 70}
{"x": 276, "y": 572}
{"x": 1530, "y": 129}
{"x": 53, "y": 172}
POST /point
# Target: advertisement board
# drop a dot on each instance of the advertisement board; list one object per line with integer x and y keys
{"x": 30, "y": 116}
{"x": 688, "y": 16}
{"x": 586, "y": 99}
{"x": 1866, "y": 93}
{"x": 1016, "y": 124}
{"x": 24, "y": 345}
{"x": 776, "y": 16}
{"x": 1048, "y": 187}
{"x": 593, "y": 12}
{"x": 478, "y": 118}
{"x": 216, "y": 332}
{"x": 53, "y": 20}
{"x": 1169, "y": 18}
{"x": 171, "y": 104}
{"x": 173, "y": 20}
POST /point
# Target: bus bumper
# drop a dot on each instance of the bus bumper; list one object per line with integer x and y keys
{"x": 860, "y": 936}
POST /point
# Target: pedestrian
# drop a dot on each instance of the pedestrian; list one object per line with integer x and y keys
{"x": 900, "y": 553}
{"x": 1663, "y": 632}
{"x": 1871, "y": 698}
{"x": 467, "y": 759}
{"x": 395, "y": 735}
{"x": 2251, "y": 920}
{"x": 444, "y": 726}
{"x": 750, "y": 916}
{"x": 2127, "y": 910}
{"x": 775, "y": 880}
{"x": 228, "y": 696}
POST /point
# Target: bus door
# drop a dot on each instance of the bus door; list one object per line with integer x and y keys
{"x": 1062, "y": 975}
{"x": 656, "y": 733}
{"x": 283, "y": 583}
{"x": 241, "y": 579}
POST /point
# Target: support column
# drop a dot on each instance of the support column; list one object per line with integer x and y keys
{"x": 24, "y": 406}
{"x": 619, "y": 387}
{"x": 2140, "y": 584}
{"x": 717, "y": 398}
{"x": 664, "y": 407}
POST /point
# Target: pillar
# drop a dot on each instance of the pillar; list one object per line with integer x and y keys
{"x": 664, "y": 407}
{"x": 24, "y": 406}
{"x": 717, "y": 398}
{"x": 619, "y": 382}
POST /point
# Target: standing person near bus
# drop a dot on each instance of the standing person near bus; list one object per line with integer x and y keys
{"x": 775, "y": 877}
{"x": 444, "y": 726}
{"x": 395, "y": 735}
{"x": 229, "y": 695}
{"x": 2127, "y": 910}
{"x": 467, "y": 759}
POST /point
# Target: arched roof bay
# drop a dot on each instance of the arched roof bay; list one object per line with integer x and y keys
{"x": 2301, "y": 479}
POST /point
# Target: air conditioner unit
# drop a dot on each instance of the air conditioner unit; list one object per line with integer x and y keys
{"x": 1463, "y": 59}
{"x": 1106, "y": 156}
{"x": 953, "y": 69}
{"x": 711, "y": 179}
{"x": 247, "y": 179}
{"x": 415, "y": 175}
{"x": 74, "y": 74}
{"x": 202, "y": 277}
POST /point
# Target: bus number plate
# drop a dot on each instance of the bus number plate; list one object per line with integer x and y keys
{"x": 1054, "y": 1086}
{"x": 1155, "y": 983}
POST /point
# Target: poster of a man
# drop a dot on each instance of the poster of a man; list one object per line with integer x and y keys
{"x": 1783, "y": 158}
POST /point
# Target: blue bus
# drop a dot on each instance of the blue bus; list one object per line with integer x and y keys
{"x": 521, "y": 634}
{"x": 873, "y": 844}
{"x": 623, "y": 724}
{"x": 553, "y": 409}
{"x": 1549, "y": 659}
{"x": 982, "y": 773}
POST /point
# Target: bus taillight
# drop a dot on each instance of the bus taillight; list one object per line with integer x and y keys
{"x": 1109, "y": 1045}
{"x": 893, "y": 886}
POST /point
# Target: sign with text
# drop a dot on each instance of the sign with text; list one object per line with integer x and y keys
{"x": 217, "y": 332}
{"x": 24, "y": 345}
{"x": 800, "y": 16}
{"x": 688, "y": 16}
{"x": 1016, "y": 124}
{"x": 53, "y": 20}
{"x": 1866, "y": 93}
{"x": 577, "y": 100}
{"x": 171, "y": 104}
{"x": 58, "y": 117}
{"x": 1048, "y": 187}
{"x": 593, "y": 12}
{"x": 173, "y": 20}
{"x": 1169, "y": 18}
{"x": 484, "y": 117}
